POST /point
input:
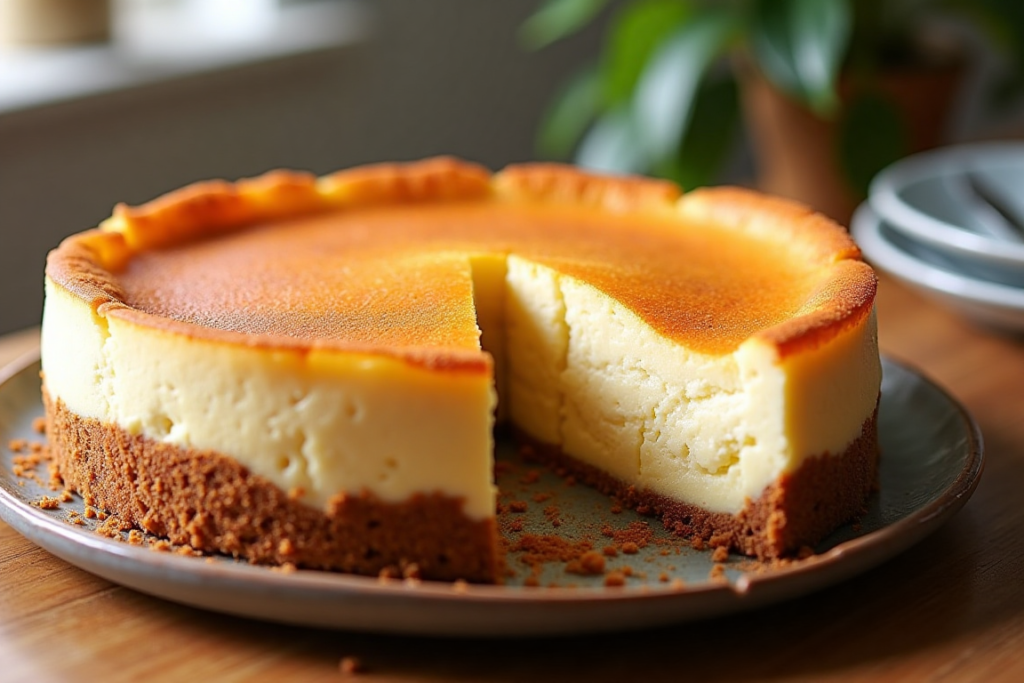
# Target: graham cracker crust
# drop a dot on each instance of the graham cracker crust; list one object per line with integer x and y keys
{"x": 798, "y": 510}
{"x": 208, "y": 501}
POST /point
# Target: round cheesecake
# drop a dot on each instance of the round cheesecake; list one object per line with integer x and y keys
{"x": 301, "y": 370}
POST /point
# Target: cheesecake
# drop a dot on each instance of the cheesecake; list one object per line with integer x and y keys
{"x": 304, "y": 370}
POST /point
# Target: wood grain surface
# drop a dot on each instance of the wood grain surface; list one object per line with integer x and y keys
{"x": 950, "y": 609}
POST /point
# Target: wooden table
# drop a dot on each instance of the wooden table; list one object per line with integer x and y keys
{"x": 950, "y": 609}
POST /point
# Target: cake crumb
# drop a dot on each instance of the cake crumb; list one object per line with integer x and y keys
{"x": 135, "y": 537}
{"x": 614, "y": 579}
{"x": 56, "y": 481}
{"x": 109, "y": 529}
{"x": 387, "y": 574}
{"x": 412, "y": 571}
{"x": 697, "y": 543}
{"x": 532, "y": 581}
{"x": 717, "y": 573}
{"x": 630, "y": 548}
{"x": 616, "y": 509}
{"x": 39, "y": 425}
{"x": 296, "y": 493}
{"x": 48, "y": 503}
{"x": 721, "y": 554}
{"x": 518, "y": 506}
{"x": 590, "y": 563}
{"x": 542, "y": 497}
{"x": 677, "y": 585}
{"x": 286, "y": 548}
{"x": 90, "y": 512}
{"x": 460, "y": 586}
{"x": 663, "y": 577}
{"x": 161, "y": 546}
{"x": 351, "y": 666}
{"x": 610, "y": 551}
{"x": 638, "y": 532}
{"x": 627, "y": 570}
{"x": 66, "y": 497}
{"x": 515, "y": 525}
{"x": 553, "y": 515}
{"x": 17, "y": 445}
{"x": 538, "y": 549}
{"x": 531, "y": 477}
{"x": 286, "y": 568}
{"x": 719, "y": 540}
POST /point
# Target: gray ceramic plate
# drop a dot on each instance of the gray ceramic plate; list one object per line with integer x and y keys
{"x": 932, "y": 458}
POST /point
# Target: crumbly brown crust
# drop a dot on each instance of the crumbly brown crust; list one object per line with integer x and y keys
{"x": 210, "y": 502}
{"x": 798, "y": 510}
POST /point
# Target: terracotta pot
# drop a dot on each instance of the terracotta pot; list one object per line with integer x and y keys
{"x": 797, "y": 151}
{"x": 54, "y": 22}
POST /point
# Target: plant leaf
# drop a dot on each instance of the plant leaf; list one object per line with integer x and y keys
{"x": 800, "y": 45}
{"x": 709, "y": 137}
{"x": 568, "y": 116}
{"x": 557, "y": 19}
{"x": 611, "y": 145}
{"x": 872, "y": 135}
{"x": 665, "y": 94}
{"x": 635, "y": 32}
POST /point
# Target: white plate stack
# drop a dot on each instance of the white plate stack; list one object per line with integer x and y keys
{"x": 951, "y": 224}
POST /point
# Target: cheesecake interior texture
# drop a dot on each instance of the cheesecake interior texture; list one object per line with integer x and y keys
{"x": 354, "y": 337}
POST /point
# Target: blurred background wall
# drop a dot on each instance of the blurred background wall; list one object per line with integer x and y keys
{"x": 421, "y": 78}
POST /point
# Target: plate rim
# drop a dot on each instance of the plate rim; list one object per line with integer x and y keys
{"x": 749, "y": 590}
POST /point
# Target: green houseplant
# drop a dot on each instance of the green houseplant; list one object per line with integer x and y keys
{"x": 665, "y": 95}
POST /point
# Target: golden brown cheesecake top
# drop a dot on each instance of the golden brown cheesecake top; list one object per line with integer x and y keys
{"x": 375, "y": 259}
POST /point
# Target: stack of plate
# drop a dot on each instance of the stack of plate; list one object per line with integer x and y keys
{"x": 951, "y": 224}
